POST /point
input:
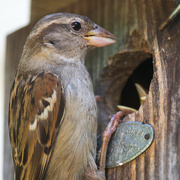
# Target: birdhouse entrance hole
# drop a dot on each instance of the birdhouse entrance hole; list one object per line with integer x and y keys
{"x": 142, "y": 75}
{"x": 117, "y": 82}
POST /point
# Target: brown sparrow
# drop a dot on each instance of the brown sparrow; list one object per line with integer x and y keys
{"x": 52, "y": 110}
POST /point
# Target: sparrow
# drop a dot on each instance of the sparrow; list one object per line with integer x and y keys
{"x": 52, "y": 109}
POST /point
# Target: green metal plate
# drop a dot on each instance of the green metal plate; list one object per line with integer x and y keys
{"x": 129, "y": 141}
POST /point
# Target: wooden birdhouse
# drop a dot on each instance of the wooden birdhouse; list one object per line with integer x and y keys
{"x": 143, "y": 54}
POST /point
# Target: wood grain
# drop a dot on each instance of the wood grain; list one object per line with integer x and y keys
{"x": 136, "y": 24}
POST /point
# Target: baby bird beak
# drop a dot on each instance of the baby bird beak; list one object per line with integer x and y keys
{"x": 99, "y": 37}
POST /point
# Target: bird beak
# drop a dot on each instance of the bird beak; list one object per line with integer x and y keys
{"x": 99, "y": 37}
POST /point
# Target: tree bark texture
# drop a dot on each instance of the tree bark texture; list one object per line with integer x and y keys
{"x": 136, "y": 25}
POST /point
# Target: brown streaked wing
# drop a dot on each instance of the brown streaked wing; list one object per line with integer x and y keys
{"x": 35, "y": 113}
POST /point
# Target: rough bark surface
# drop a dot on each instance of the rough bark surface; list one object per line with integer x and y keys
{"x": 135, "y": 23}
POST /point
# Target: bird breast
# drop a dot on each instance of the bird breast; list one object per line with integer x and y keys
{"x": 76, "y": 141}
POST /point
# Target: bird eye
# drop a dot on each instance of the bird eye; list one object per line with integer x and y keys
{"x": 76, "y": 26}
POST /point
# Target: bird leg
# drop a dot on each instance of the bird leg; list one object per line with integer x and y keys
{"x": 99, "y": 174}
{"x": 106, "y": 135}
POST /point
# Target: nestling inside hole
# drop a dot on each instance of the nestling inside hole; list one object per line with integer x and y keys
{"x": 142, "y": 75}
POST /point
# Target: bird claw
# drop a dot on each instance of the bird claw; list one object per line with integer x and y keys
{"x": 106, "y": 135}
{"x": 111, "y": 126}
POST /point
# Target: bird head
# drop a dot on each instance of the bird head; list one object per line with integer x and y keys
{"x": 68, "y": 35}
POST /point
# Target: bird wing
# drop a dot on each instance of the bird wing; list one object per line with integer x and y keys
{"x": 36, "y": 111}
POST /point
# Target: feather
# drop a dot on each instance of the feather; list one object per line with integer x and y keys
{"x": 36, "y": 109}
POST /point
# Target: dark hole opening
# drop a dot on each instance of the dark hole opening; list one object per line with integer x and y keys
{"x": 142, "y": 75}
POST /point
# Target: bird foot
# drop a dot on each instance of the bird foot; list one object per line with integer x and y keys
{"x": 106, "y": 135}
{"x": 99, "y": 174}
{"x": 111, "y": 126}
